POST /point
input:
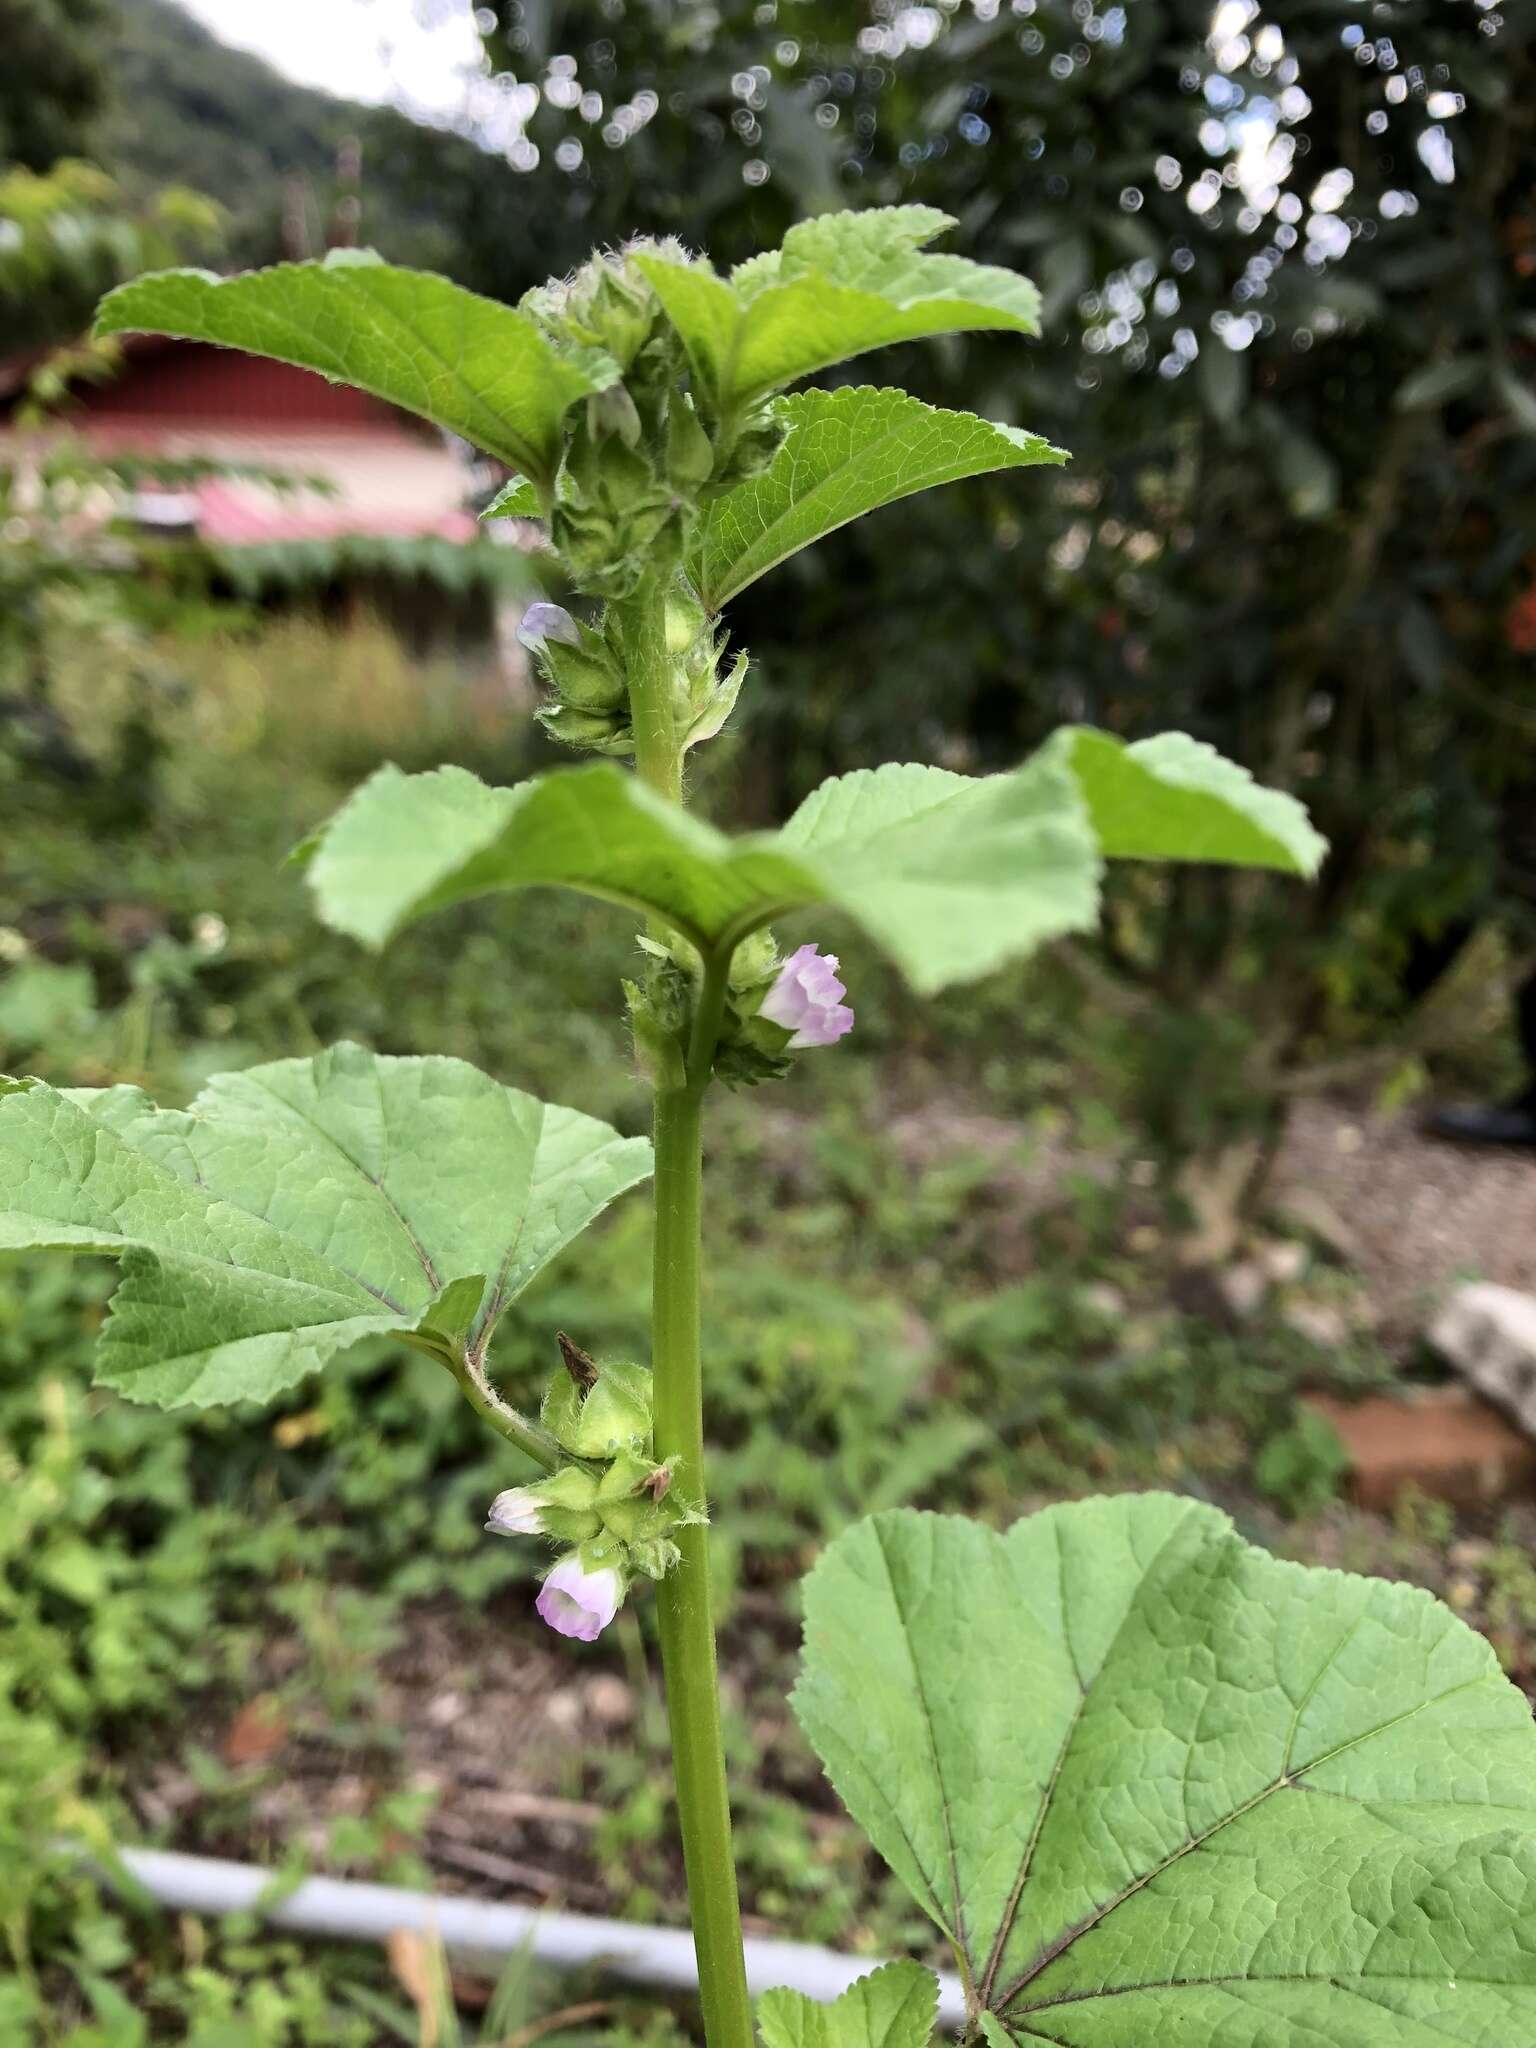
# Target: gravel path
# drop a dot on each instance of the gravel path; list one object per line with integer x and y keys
{"x": 1421, "y": 1214}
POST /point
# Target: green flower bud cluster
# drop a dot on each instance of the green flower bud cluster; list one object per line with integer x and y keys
{"x": 607, "y": 305}
{"x": 583, "y": 668}
{"x": 640, "y": 456}
{"x": 636, "y": 455}
{"x": 613, "y": 1500}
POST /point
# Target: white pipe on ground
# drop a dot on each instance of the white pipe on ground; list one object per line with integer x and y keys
{"x": 475, "y": 1930}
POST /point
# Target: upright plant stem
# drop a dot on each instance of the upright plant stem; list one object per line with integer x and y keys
{"x": 658, "y": 756}
{"x": 682, "y": 1598}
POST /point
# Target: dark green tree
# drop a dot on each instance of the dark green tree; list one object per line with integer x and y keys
{"x": 54, "y": 79}
{"x": 1288, "y": 260}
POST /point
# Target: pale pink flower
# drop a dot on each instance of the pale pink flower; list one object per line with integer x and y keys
{"x": 579, "y": 1603}
{"x": 807, "y": 1000}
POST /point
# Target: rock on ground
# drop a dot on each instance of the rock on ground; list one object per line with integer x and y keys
{"x": 1489, "y": 1334}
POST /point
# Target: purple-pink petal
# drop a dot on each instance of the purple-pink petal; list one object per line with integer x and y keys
{"x": 579, "y": 1603}
{"x": 806, "y": 1000}
{"x": 543, "y": 622}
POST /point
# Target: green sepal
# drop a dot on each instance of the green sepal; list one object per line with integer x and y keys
{"x": 605, "y": 1553}
{"x": 751, "y": 1051}
{"x": 560, "y": 1410}
{"x": 587, "y": 676}
{"x": 627, "y": 1476}
{"x": 654, "y": 1556}
{"x": 614, "y": 413}
{"x": 571, "y": 1525}
{"x": 569, "y": 1504}
{"x": 615, "y": 1416}
{"x": 596, "y": 732}
{"x": 690, "y": 452}
{"x": 718, "y": 702}
{"x": 626, "y": 1503}
{"x": 658, "y": 1051}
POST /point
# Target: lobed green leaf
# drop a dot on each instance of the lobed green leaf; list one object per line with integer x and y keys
{"x": 1176, "y": 798}
{"x": 953, "y": 875}
{"x": 1153, "y": 1783}
{"x": 300, "y": 1206}
{"x": 846, "y": 453}
{"x": 893, "y": 2007}
{"x": 950, "y": 875}
{"x": 842, "y": 284}
{"x": 409, "y": 337}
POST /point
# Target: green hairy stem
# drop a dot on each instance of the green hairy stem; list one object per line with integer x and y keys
{"x": 683, "y": 1597}
{"x": 532, "y": 1440}
{"x": 658, "y": 752}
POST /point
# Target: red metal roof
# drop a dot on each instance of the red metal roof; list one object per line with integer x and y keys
{"x": 195, "y": 381}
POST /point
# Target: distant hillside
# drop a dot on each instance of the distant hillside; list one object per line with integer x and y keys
{"x": 189, "y": 110}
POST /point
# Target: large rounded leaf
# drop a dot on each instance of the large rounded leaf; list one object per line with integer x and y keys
{"x": 301, "y": 1206}
{"x": 1154, "y": 1784}
{"x": 952, "y": 874}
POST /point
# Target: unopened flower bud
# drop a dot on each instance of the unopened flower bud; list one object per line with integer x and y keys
{"x": 544, "y": 622}
{"x": 516, "y": 1512}
{"x": 614, "y": 1416}
{"x": 754, "y": 448}
{"x": 562, "y": 1506}
{"x": 755, "y": 961}
{"x": 715, "y": 703}
{"x": 807, "y": 1000}
{"x": 690, "y": 452}
{"x": 606, "y": 305}
{"x": 598, "y": 731}
{"x": 577, "y": 1602}
{"x": 590, "y": 704}
{"x": 613, "y": 412}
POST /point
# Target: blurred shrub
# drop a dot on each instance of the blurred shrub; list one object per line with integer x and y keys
{"x": 1286, "y": 259}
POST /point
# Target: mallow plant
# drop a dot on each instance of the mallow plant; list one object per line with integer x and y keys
{"x": 1148, "y": 1782}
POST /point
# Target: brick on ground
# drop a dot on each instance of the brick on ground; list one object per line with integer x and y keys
{"x": 1444, "y": 1442}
